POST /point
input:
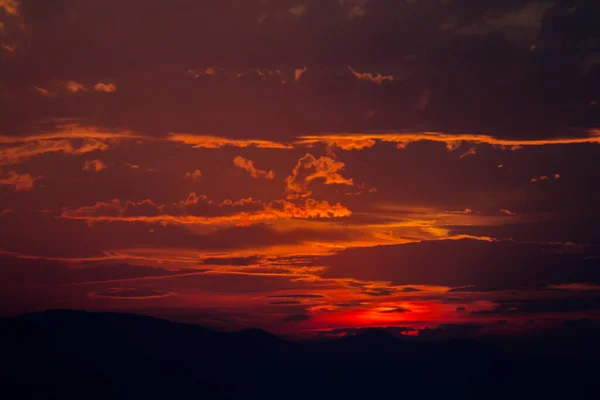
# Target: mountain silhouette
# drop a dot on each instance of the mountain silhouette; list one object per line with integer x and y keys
{"x": 62, "y": 354}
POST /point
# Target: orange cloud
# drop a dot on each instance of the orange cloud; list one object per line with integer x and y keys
{"x": 471, "y": 152}
{"x": 298, "y": 11}
{"x": 215, "y": 142}
{"x": 105, "y": 87}
{"x": 248, "y": 165}
{"x": 75, "y": 87}
{"x": 538, "y": 178}
{"x": 132, "y": 166}
{"x": 508, "y": 212}
{"x": 18, "y": 182}
{"x": 310, "y": 168}
{"x": 197, "y": 209}
{"x": 367, "y": 76}
{"x": 452, "y": 141}
{"x": 16, "y": 149}
{"x": 298, "y": 73}
{"x": 10, "y": 6}
{"x": 8, "y": 48}
{"x": 41, "y": 91}
{"x": 94, "y": 165}
{"x": 194, "y": 175}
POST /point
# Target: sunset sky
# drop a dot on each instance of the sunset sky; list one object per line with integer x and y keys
{"x": 302, "y": 166}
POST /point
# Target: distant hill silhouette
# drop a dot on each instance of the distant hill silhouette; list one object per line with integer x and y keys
{"x": 63, "y": 354}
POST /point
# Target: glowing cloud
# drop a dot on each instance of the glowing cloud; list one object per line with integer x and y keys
{"x": 10, "y": 6}
{"x": 18, "y": 182}
{"x": 199, "y": 210}
{"x": 248, "y": 165}
{"x": 94, "y": 165}
{"x": 194, "y": 175}
{"x": 215, "y": 142}
{"x": 367, "y": 76}
{"x": 68, "y": 139}
{"x": 309, "y": 168}
{"x": 105, "y": 87}
{"x": 298, "y": 73}
{"x": 452, "y": 141}
{"x": 75, "y": 87}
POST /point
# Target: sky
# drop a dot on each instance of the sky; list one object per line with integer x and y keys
{"x": 302, "y": 166}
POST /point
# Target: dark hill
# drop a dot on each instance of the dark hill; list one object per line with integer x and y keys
{"x": 64, "y": 354}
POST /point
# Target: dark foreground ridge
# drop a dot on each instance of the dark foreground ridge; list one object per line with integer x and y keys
{"x": 81, "y": 355}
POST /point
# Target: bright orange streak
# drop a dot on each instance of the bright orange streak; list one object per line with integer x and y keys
{"x": 452, "y": 141}
{"x": 215, "y": 142}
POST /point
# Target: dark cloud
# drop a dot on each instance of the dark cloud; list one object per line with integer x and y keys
{"x": 451, "y": 331}
{"x": 400, "y": 310}
{"x": 238, "y": 261}
{"x": 489, "y": 70}
{"x": 19, "y": 271}
{"x": 535, "y": 306}
{"x": 296, "y": 296}
{"x": 297, "y": 318}
{"x": 132, "y": 293}
{"x": 469, "y": 265}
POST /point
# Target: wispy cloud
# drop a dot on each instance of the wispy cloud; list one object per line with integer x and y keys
{"x": 367, "y": 76}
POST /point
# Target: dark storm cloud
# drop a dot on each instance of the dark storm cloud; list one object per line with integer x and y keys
{"x": 471, "y": 265}
{"x": 491, "y": 79}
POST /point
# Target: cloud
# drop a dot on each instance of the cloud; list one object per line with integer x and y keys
{"x": 132, "y": 166}
{"x": 483, "y": 265}
{"x": 367, "y": 76}
{"x": 298, "y": 10}
{"x": 238, "y": 261}
{"x": 452, "y": 141}
{"x": 354, "y": 8}
{"x": 298, "y": 73}
{"x": 8, "y": 48}
{"x": 296, "y": 296}
{"x": 194, "y": 175}
{"x": 131, "y": 294}
{"x": 18, "y": 182}
{"x": 75, "y": 87}
{"x": 215, "y": 142}
{"x": 297, "y": 318}
{"x": 199, "y": 210}
{"x": 508, "y": 212}
{"x": 43, "y": 271}
{"x": 248, "y": 165}
{"x": 538, "y": 178}
{"x": 94, "y": 165}
{"x": 105, "y": 87}
{"x": 70, "y": 139}
{"x": 10, "y": 6}
{"x": 308, "y": 168}
{"x": 544, "y": 305}
{"x": 41, "y": 91}
{"x": 399, "y": 310}
{"x": 471, "y": 152}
